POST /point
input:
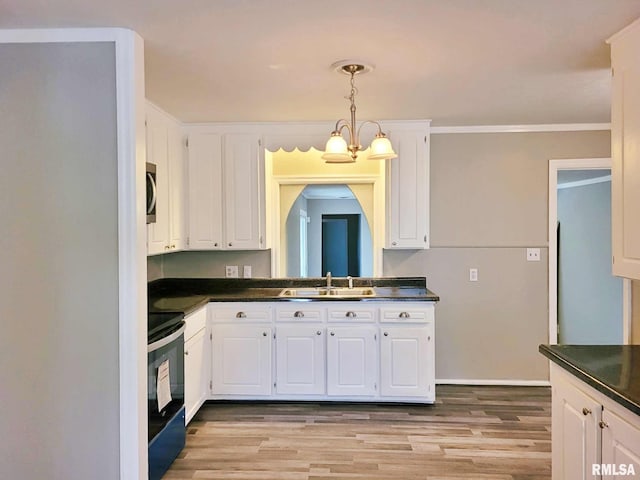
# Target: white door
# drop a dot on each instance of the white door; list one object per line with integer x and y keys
{"x": 620, "y": 443}
{"x": 300, "y": 359}
{"x": 243, "y": 187}
{"x": 352, "y": 360}
{"x": 406, "y": 363}
{"x": 575, "y": 433}
{"x": 205, "y": 192}
{"x": 241, "y": 360}
{"x": 176, "y": 156}
{"x": 195, "y": 374}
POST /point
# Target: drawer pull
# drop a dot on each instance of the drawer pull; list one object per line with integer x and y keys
{"x": 386, "y": 334}
{"x": 318, "y": 332}
{"x": 298, "y": 314}
{"x": 404, "y": 315}
{"x": 586, "y": 411}
{"x": 603, "y": 424}
{"x": 350, "y": 314}
{"x": 264, "y": 334}
{"x": 332, "y": 334}
{"x": 241, "y": 315}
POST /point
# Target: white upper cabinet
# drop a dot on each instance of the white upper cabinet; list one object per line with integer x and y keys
{"x": 205, "y": 192}
{"x": 625, "y": 152}
{"x": 408, "y": 189}
{"x": 165, "y": 149}
{"x": 226, "y": 191}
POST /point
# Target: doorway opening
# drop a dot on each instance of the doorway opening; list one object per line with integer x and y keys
{"x": 587, "y": 304}
{"x": 341, "y": 244}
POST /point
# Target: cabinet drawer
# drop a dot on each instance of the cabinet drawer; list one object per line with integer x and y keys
{"x": 353, "y": 312}
{"x": 195, "y": 322}
{"x": 240, "y": 312}
{"x": 299, "y": 313}
{"x": 406, "y": 315}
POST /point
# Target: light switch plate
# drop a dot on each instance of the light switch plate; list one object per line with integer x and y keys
{"x": 231, "y": 271}
{"x": 246, "y": 271}
{"x": 533, "y": 254}
{"x": 473, "y": 274}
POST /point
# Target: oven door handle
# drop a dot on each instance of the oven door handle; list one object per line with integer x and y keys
{"x": 167, "y": 340}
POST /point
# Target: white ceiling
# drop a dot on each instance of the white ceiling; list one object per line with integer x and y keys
{"x": 458, "y": 62}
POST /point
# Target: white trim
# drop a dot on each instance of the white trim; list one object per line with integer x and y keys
{"x": 550, "y": 127}
{"x": 62, "y": 35}
{"x": 574, "y": 164}
{"x": 132, "y": 276}
{"x": 582, "y": 183}
{"x": 491, "y": 382}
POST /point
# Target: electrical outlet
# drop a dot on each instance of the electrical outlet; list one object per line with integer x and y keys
{"x": 246, "y": 271}
{"x": 533, "y": 254}
{"x": 473, "y": 274}
{"x": 231, "y": 271}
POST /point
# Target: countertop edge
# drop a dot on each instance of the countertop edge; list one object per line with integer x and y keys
{"x": 591, "y": 380}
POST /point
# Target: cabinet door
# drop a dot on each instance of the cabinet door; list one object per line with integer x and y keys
{"x": 625, "y": 152}
{"x": 176, "y": 156}
{"x": 352, "y": 358}
{"x": 575, "y": 434}
{"x": 407, "y": 361}
{"x": 300, "y": 359}
{"x": 195, "y": 373}
{"x": 205, "y": 192}
{"x": 243, "y": 192}
{"x": 408, "y": 191}
{"x": 620, "y": 443}
{"x": 241, "y": 360}
{"x": 157, "y": 153}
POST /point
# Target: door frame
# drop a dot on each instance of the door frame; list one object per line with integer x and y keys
{"x": 574, "y": 164}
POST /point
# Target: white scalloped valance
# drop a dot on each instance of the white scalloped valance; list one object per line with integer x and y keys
{"x": 289, "y": 143}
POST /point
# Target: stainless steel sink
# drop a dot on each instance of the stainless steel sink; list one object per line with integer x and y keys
{"x": 314, "y": 292}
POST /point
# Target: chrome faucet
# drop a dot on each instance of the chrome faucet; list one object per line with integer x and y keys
{"x": 328, "y": 279}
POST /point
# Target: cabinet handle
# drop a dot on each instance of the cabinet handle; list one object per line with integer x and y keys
{"x": 332, "y": 334}
{"x": 318, "y": 332}
{"x": 215, "y": 244}
{"x": 264, "y": 334}
{"x": 386, "y": 334}
{"x": 404, "y": 315}
{"x": 298, "y": 314}
{"x": 350, "y": 315}
{"x": 425, "y": 239}
{"x": 186, "y": 352}
{"x": 603, "y": 424}
{"x": 241, "y": 315}
{"x": 230, "y": 244}
{"x": 173, "y": 246}
{"x": 394, "y": 243}
{"x": 586, "y": 411}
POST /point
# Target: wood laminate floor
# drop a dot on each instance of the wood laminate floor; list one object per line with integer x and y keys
{"x": 498, "y": 433}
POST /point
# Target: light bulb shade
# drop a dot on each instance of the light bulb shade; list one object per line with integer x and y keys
{"x": 381, "y": 149}
{"x": 336, "y": 150}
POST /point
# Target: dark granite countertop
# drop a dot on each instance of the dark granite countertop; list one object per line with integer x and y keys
{"x": 613, "y": 370}
{"x": 188, "y": 294}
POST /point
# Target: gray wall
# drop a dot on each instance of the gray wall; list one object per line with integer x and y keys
{"x": 489, "y": 201}
{"x": 59, "y": 255}
{"x": 589, "y": 296}
{"x": 208, "y": 264}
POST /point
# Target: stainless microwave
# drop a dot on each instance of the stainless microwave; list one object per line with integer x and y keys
{"x": 152, "y": 193}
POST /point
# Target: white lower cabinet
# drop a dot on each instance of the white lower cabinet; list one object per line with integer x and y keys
{"x": 300, "y": 359}
{"x": 592, "y": 436}
{"x": 196, "y": 363}
{"x": 352, "y": 358}
{"x": 323, "y": 351}
{"x": 406, "y": 361}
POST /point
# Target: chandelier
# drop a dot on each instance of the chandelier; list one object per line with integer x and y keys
{"x": 337, "y": 149}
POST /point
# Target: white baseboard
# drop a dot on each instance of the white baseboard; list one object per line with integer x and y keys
{"x": 513, "y": 383}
